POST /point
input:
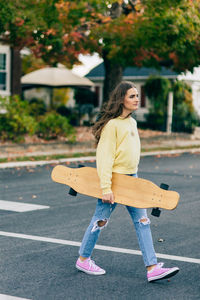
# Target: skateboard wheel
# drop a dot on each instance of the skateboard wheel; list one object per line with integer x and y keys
{"x": 81, "y": 166}
{"x": 156, "y": 212}
{"x": 72, "y": 192}
{"x": 164, "y": 186}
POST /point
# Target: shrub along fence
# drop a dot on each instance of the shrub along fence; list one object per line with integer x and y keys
{"x": 20, "y": 117}
{"x": 185, "y": 119}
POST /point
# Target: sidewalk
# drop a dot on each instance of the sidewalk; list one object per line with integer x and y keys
{"x": 152, "y": 143}
{"x": 148, "y": 143}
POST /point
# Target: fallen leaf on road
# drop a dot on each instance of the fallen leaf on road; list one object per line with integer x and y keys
{"x": 161, "y": 240}
{"x": 30, "y": 170}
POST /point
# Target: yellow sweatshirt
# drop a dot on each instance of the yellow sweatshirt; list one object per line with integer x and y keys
{"x": 118, "y": 150}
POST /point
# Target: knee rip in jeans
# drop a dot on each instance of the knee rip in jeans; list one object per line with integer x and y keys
{"x": 99, "y": 225}
{"x": 144, "y": 221}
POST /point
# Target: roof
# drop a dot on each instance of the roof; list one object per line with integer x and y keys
{"x": 54, "y": 77}
{"x": 132, "y": 72}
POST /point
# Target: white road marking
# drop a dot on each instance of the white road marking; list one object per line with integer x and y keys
{"x": 7, "y": 297}
{"x": 19, "y": 206}
{"x": 99, "y": 247}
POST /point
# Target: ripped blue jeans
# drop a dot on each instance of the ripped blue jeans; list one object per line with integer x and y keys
{"x": 142, "y": 226}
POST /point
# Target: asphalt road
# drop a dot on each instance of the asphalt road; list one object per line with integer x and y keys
{"x": 45, "y": 269}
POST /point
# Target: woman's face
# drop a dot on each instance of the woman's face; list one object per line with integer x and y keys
{"x": 131, "y": 101}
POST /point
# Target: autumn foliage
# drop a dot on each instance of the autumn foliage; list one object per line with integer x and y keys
{"x": 150, "y": 33}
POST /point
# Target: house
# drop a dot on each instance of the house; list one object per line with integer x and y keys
{"x": 5, "y": 70}
{"x": 193, "y": 79}
{"x": 139, "y": 76}
{"x": 10, "y": 70}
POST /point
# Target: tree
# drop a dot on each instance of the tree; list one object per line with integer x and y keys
{"x": 35, "y": 25}
{"x": 97, "y": 26}
{"x": 151, "y": 33}
{"x": 18, "y": 20}
{"x": 172, "y": 30}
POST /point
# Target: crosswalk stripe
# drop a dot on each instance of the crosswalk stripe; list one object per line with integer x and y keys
{"x": 99, "y": 247}
{"x": 19, "y": 206}
{"x": 8, "y": 297}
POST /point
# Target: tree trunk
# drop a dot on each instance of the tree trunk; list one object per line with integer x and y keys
{"x": 113, "y": 70}
{"x": 113, "y": 75}
{"x": 16, "y": 71}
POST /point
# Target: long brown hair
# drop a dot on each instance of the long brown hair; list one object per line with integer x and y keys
{"x": 113, "y": 108}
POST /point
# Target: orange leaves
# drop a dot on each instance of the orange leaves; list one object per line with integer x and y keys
{"x": 154, "y": 55}
{"x": 66, "y": 38}
{"x": 106, "y": 20}
{"x": 19, "y": 22}
{"x": 66, "y": 5}
{"x": 174, "y": 57}
{"x": 83, "y": 20}
{"x": 64, "y": 8}
{"x": 51, "y": 31}
{"x": 129, "y": 19}
{"x": 76, "y": 36}
{"x": 143, "y": 55}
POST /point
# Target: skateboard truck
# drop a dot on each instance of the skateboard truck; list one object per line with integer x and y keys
{"x": 156, "y": 211}
{"x": 72, "y": 192}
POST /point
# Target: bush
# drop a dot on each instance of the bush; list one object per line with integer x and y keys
{"x": 19, "y": 120}
{"x": 52, "y": 124}
{"x": 16, "y": 121}
{"x": 63, "y": 111}
{"x": 36, "y": 107}
{"x": 71, "y": 114}
{"x": 156, "y": 121}
{"x": 184, "y": 120}
{"x": 157, "y": 89}
{"x": 184, "y": 116}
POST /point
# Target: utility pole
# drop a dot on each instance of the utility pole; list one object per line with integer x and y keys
{"x": 169, "y": 112}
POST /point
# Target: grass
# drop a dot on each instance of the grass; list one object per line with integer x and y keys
{"x": 170, "y": 148}
{"x": 73, "y": 155}
{"x": 45, "y": 157}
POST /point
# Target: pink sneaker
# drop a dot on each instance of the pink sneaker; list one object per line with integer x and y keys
{"x": 88, "y": 266}
{"x": 159, "y": 273}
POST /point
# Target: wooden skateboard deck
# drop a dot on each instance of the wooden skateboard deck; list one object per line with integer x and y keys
{"x": 128, "y": 190}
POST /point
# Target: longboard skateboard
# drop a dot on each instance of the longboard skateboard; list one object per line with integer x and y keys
{"x": 128, "y": 190}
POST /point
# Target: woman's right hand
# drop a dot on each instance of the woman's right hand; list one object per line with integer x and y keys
{"x": 108, "y": 198}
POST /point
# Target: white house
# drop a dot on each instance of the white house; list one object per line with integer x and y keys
{"x": 193, "y": 79}
{"x": 139, "y": 76}
{"x": 5, "y": 70}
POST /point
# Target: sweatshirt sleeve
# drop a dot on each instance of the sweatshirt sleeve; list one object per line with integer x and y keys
{"x": 105, "y": 156}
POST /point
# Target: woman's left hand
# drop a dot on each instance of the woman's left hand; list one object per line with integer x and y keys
{"x": 108, "y": 198}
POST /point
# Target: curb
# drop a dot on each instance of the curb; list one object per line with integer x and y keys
{"x": 90, "y": 158}
{"x": 45, "y": 162}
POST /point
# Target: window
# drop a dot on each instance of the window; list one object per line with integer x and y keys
{"x": 4, "y": 70}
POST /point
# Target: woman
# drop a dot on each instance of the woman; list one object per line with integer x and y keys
{"x": 118, "y": 150}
